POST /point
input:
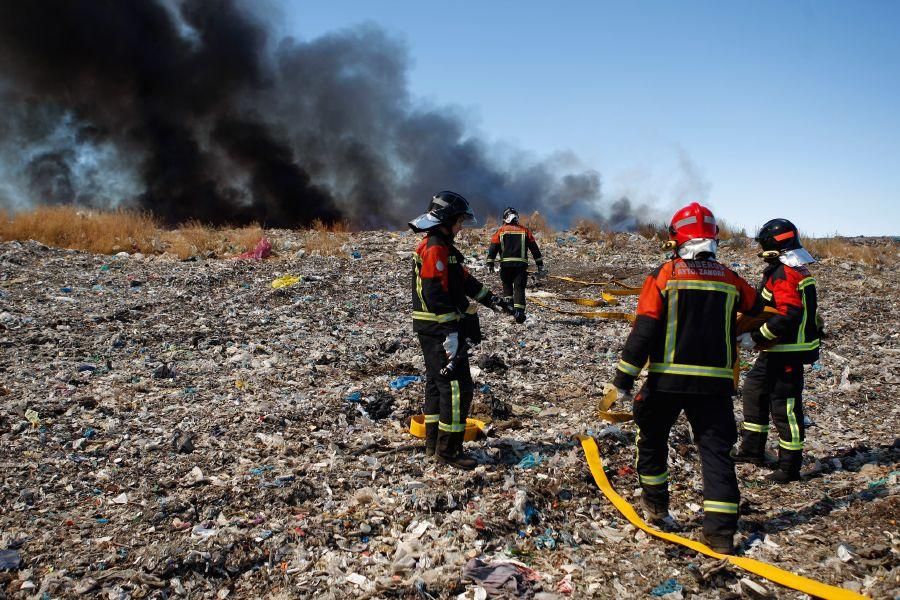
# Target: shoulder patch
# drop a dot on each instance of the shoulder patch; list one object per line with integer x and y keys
{"x": 439, "y": 265}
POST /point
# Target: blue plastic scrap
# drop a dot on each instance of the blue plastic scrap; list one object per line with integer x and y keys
{"x": 668, "y": 586}
{"x": 530, "y": 460}
{"x": 403, "y": 381}
{"x": 354, "y": 397}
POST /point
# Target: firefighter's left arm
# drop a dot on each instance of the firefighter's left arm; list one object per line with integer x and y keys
{"x": 789, "y": 305}
{"x": 750, "y": 303}
{"x": 475, "y": 289}
{"x": 645, "y": 330}
{"x": 535, "y": 250}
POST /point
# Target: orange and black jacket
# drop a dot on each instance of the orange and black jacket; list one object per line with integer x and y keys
{"x": 441, "y": 286}
{"x": 795, "y": 329}
{"x": 686, "y": 328}
{"x": 512, "y": 242}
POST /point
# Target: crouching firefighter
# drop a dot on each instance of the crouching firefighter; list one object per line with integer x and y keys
{"x": 788, "y": 340}
{"x": 513, "y": 242}
{"x": 446, "y": 325}
{"x": 685, "y": 322}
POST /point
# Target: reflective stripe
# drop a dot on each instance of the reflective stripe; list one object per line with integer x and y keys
{"x": 671, "y": 327}
{"x": 790, "y": 445}
{"x": 432, "y": 418}
{"x": 766, "y": 294}
{"x": 522, "y": 247}
{"x": 685, "y": 221}
{"x": 454, "y": 392}
{"x": 637, "y": 446}
{"x": 484, "y": 292}
{"x": 513, "y": 260}
{"x": 715, "y": 506}
{"x": 729, "y": 346}
{"x": 518, "y": 306}
{"x": 711, "y": 286}
{"x": 451, "y": 428}
{"x": 419, "y": 282}
{"x": 794, "y": 347}
{"x": 654, "y": 479}
{"x": 767, "y": 333}
{"x": 801, "y": 333}
{"x": 629, "y": 368}
{"x": 755, "y": 427}
{"x": 696, "y": 370}
{"x": 796, "y": 442}
{"x": 427, "y": 316}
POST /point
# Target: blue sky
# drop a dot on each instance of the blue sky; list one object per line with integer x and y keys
{"x": 760, "y": 109}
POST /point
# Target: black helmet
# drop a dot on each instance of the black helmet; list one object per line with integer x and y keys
{"x": 445, "y": 209}
{"x": 510, "y": 215}
{"x": 778, "y": 235}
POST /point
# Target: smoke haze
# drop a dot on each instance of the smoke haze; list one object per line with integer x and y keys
{"x": 195, "y": 110}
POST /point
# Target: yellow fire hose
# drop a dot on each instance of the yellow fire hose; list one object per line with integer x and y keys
{"x": 587, "y": 314}
{"x": 625, "y": 291}
{"x": 770, "y": 572}
{"x": 607, "y": 299}
{"x": 609, "y": 398}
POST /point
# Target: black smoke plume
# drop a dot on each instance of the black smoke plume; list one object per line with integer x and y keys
{"x": 192, "y": 109}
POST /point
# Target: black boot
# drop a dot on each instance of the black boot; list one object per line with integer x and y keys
{"x": 519, "y": 316}
{"x": 431, "y": 433}
{"x": 789, "y": 462}
{"x": 752, "y": 448}
{"x": 723, "y": 544}
{"x": 449, "y": 451}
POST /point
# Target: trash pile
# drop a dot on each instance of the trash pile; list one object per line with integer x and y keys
{"x": 239, "y": 428}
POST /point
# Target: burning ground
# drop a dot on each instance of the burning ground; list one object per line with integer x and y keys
{"x": 196, "y": 432}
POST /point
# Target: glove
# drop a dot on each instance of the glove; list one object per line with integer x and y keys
{"x": 745, "y": 341}
{"x": 541, "y": 272}
{"x": 451, "y": 345}
{"x": 491, "y": 266}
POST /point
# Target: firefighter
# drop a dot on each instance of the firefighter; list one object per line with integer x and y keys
{"x": 788, "y": 340}
{"x": 513, "y": 242}
{"x": 685, "y": 318}
{"x": 446, "y": 325}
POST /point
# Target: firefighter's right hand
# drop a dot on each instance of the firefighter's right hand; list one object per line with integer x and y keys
{"x": 451, "y": 345}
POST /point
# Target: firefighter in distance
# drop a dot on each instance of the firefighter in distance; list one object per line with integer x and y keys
{"x": 512, "y": 242}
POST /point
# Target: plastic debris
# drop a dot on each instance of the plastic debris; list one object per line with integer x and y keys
{"x": 404, "y": 380}
{"x": 286, "y": 281}
{"x": 263, "y": 249}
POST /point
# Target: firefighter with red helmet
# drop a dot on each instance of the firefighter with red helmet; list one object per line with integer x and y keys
{"x": 512, "y": 241}
{"x": 446, "y": 325}
{"x": 685, "y": 326}
{"x": 788, "y": 340}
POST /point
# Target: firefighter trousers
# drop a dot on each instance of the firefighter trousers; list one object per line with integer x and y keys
{"x": 774, "y": 386}
{"x": 712, "y": 423}
{"x": 447, "y": 397}
{"x": 514, "y": 279}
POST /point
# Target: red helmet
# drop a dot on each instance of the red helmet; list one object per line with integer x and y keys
{"x": 692, "y": 222}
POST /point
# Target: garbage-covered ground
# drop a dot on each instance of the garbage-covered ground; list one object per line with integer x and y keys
{"x": 182, "y": 429}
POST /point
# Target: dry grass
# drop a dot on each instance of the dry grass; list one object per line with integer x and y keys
{"x": 588, "y": 229}
{"x": 537, "y": 223}
{"x": 325, "y": 243}
{"x": 651, "y": 230}
{"x": 67, "y": 227}
{"x": 118, "y": 231}
{"x": 877, "y": 253}
{"x": 331, "y": 227}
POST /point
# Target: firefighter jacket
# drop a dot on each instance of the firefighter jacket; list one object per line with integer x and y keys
{"x": 795, "y": 329}
{"x": 441, "y": 285}
{"x": 686, "y": 327}
{"x": 513, "y": 242}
